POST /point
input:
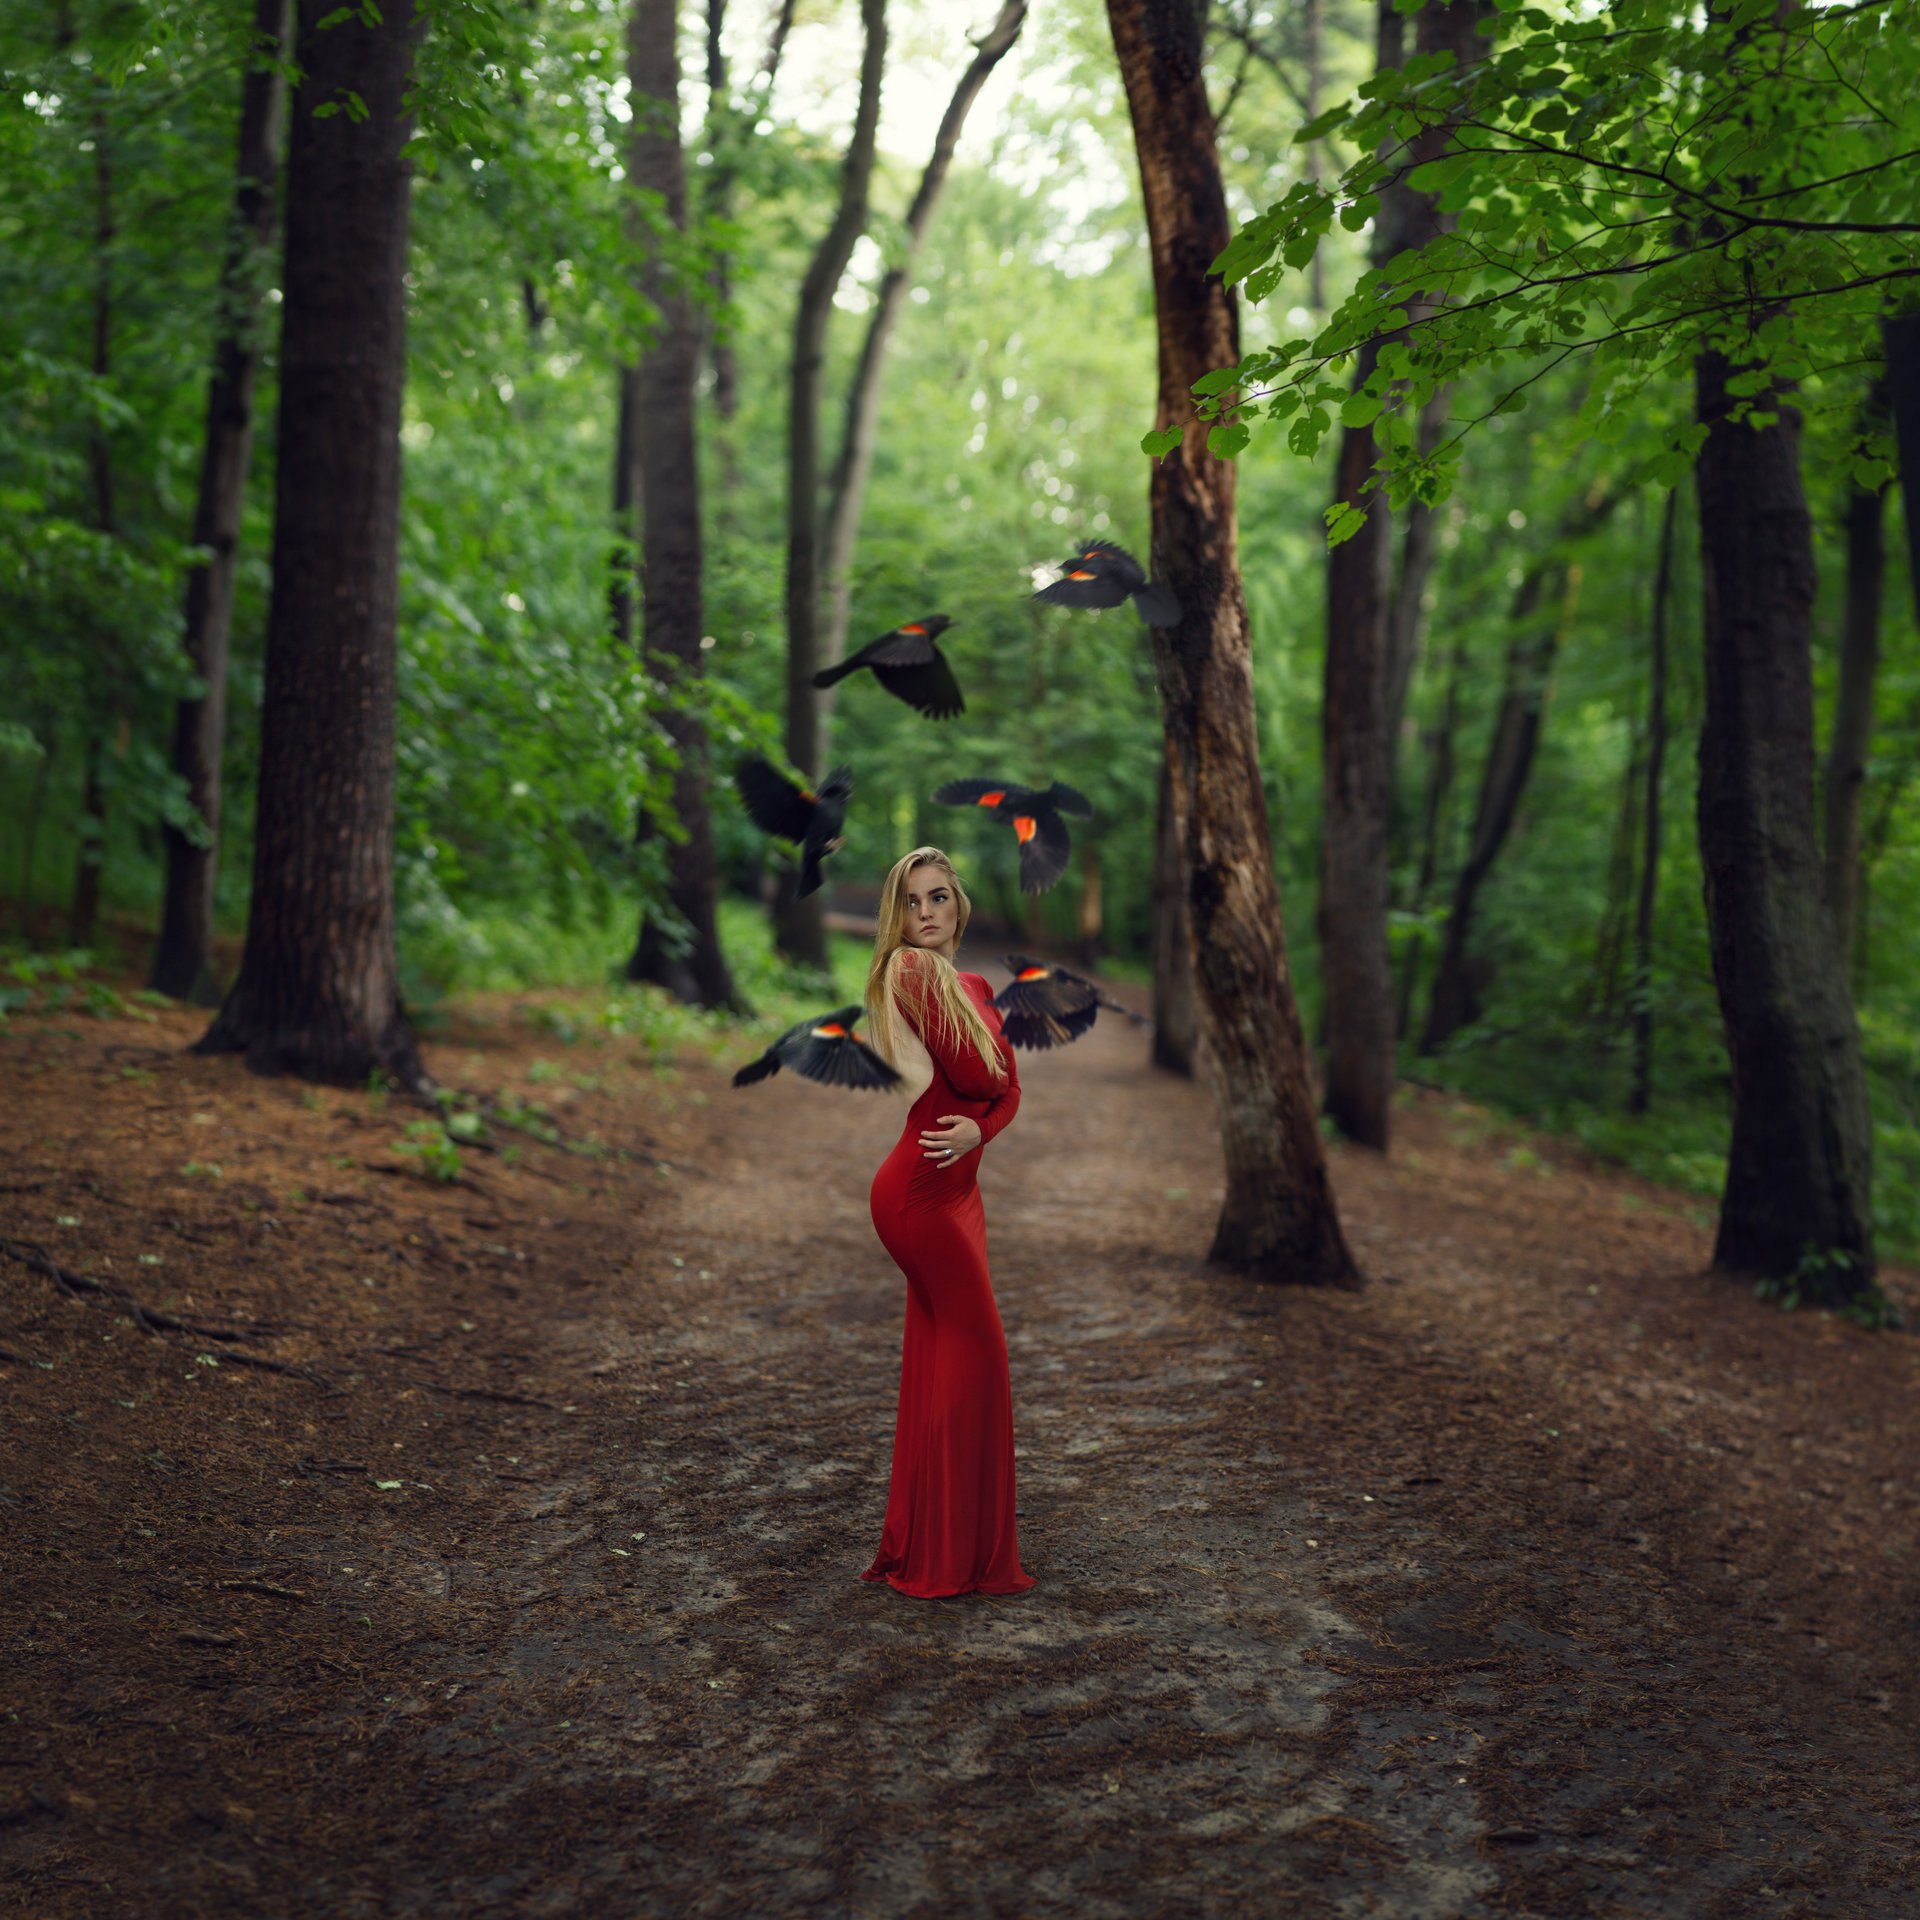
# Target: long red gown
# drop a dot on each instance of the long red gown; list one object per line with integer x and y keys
{"x": 949, "y": 1527}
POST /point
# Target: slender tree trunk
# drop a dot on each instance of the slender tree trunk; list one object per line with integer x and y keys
{"x": 1640, "y": 1096}
{"x": 800, "y": 925}
{"x": 1176, "y": 1017}
{"x": 1846, "y": 769}
{"x": 1406, "y": 612}
{"x": 847, "y": 495}
{"x": 691, "y": 966}
{"x": 1799, "y": 1171}
{"x": 1542, "y": 609}
{"x": 1361, "y": 674}
{"x": 1279, "y": 1221}
{"x": 724, "y": 132}
{"x": 317, "y": 992}
{"x": 181, "y": 961}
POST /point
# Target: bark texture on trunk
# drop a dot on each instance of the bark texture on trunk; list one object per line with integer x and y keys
{"x": 800, "y": 925}
{"x": 684, "y": 958}
{"x": 1278, "y": 1221}
{"x": 1799, "y": 1170}
{"x": 848, "y": 493}
{"x": 1846, "y": 768}
{"x": 181, "y": 961}
{"x": 317, "y": 993}
{"x": 1364, "y": 682}
{"x": 1176, "y": 1021}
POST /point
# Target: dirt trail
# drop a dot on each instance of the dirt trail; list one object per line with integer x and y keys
{"x": 1546, "y": 1577}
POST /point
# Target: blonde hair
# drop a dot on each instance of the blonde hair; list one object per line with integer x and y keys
{"x": 960, "y": 1018}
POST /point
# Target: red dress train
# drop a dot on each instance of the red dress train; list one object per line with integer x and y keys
{"x": 949, "y": 1527}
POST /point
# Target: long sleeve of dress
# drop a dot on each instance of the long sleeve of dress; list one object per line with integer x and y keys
{"x": 955, "y": 1055}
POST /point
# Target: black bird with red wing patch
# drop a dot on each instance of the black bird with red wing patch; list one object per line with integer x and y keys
{"x": 824, "y": 1049}
{"x": 789, "y": 811}
{"x": 1102, "y": 575}
{"x": 1046, "y": 1006}
{"x": 910, "y": 665}
{"x": 1034, "y": 814}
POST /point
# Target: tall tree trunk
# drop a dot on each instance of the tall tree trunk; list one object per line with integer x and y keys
{"x": 1542, "y": 609}
{"x": 181, "y": 960}
{"x": 800, "y": 925}
{"x": 1846, "y": 768}
{"x": 1279, "y": 1220}
{"x": 1799, "y": 1171}
{"x": 317, "y": 993}
{"x": 1356, "y": 720}
{"x": 1176, "y": 1019}
{"x": 1406, "y": 611}
{"x": 848, "y": 492}
{"x": 685, "y": 959}
{"x": 1640, "y": 1095}
{"x": 717, "y": 203}
{"x": 1316, "y": 268}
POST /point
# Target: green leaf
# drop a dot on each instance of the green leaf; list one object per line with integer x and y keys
{"x": 1225, "y": 440}
{"x": 1359, "y": 410}
{"x": 1161, "y": 441}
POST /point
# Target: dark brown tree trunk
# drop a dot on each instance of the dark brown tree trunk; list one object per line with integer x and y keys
{"x": 1362, "y": 678}
{"x": 800, "y": 925}
{"x": 683, "y": 956}
{"x": 1799, "y": 1171}
{"x": 848, "y": 493}
{"x": 1846, "y": 768}
{"x": 1316, "y": 268}
{"x": 1406, "y": 604}
{"x": 1640, "y": 1095}
{"x": 1279, "y": 1221}
{"x": 317, "y": 993}
{"x": 181, "y": 961}
{"x": 1542, "y": 608}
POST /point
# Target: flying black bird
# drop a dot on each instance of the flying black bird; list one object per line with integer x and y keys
{"x": 1043, "y": 1006}
{"x": 789, "y": 811}
{"x": 1034, "y": 815}
{"x": 1102, "y": 575}
{"x": 824, "y": 1049}
{"x": 909, "y": 665}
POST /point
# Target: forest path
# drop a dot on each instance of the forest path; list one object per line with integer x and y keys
{"x": 1548, "y": 1576}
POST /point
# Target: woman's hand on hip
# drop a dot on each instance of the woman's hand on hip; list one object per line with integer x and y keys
{"x": 944, "y": 1145}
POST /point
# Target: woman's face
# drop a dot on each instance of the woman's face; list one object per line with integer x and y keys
{"x": 933, "y": 910}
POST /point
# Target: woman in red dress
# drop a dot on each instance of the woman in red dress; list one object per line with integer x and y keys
{"x": 949, "y": 1527}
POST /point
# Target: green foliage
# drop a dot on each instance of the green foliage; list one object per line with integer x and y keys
{"x": 1631, "y": 188}
{"x": 430, "y": 1146}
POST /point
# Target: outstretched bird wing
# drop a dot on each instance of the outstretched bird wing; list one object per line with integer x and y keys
{"x": 828, "y": 1050}
{"x": 1045, "y": 848}
{"x": 1103, "y": 557}
{"x": 774, "y": 803}
{"x": 1035, "y": 1032}
{"x": 769, "y": 1062}
{"x": 978, "y": 793}
{"x": 1083, "y": 586}
{"x": 1040, "y": 991}
{"x": 929, "y": 686}
{"x": 1068, "y": 799}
